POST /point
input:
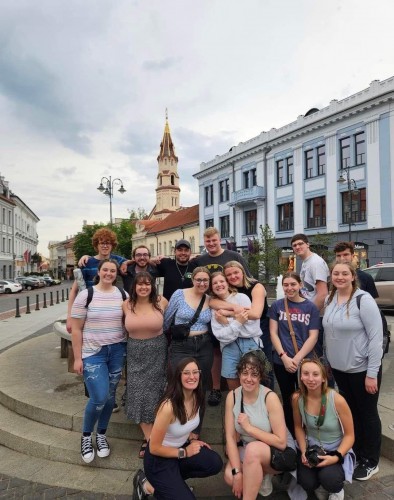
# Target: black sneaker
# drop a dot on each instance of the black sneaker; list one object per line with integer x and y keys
{"x": 365, "y": 470}
{"x": 116, "y": 408}
{"x": 214, "y": 398}
{"x": 103, "y": 449}
{"x": 138, "y": 483}
{"x": 87, "y": 450}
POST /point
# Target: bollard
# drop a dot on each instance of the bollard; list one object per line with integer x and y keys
{"x": 17, "y": 313}
{"x": 66, "y": 293}
{"x": 51, "y": 302}
{"x": 62, "y": 294}
{"x": 45, "y": 301}
{"x": 57, "y": 297}
{"x": 37, "y": 302}
{"x": 27, "y": 305}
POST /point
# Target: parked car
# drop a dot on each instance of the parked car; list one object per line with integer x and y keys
{"x": 383, "y": 275}
{"x": 11, "y": 286}
{"x": 39, "y": 278}
{"x": 48, "y": 280}
{"x": 56, "y": 281}
{"x": 2, "y": 289}
{"x": 28, "y": 283}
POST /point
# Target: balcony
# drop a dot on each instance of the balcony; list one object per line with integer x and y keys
{"x": 245, "y": 196}
{"x": 286, "y": 224}
{"x": 316, "y": 222}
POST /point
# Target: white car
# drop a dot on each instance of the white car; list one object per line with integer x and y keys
{"x": 11, "y": 286}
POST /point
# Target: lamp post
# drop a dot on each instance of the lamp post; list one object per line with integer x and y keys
{"x": 352, "y": 189}
{"x": 107, "y": 187}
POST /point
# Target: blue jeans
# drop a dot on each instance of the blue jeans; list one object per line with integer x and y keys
{"x": 101, "y": 374}
{"x": 232, "y": 353}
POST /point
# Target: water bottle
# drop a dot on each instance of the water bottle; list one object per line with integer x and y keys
{"x": 78, "y": 276}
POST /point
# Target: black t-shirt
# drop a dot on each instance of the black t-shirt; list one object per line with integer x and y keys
{"x": 217, "y": 262}
{"x": 367, "y": 283}
{"x": 131, "y": 272}
{"x": 175, "y": 275}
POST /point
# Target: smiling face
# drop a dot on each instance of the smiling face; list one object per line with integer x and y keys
{"x": 201, "y": 282}
{"x": 108, "y": 272}
{"x": 219, "y": 286}
{"x": 182, "y": 254}
{"x": 301, "y": 248}
{"x": 104, "y": 249}
{"x": 141, "y": 257}
{"x": 143, "y": 288}
{"x": 342, "y": 276}
{"x": 249, "y": 378}
{"x": 234, "y": 276}
{"x": 212, "y": 244}
{"x": 311, "y": 375}
{"x": 190, "y": 376}
{"x": 291, "y": 288}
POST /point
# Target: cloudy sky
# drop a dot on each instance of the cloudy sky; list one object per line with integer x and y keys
{"x": 84, "y": 85}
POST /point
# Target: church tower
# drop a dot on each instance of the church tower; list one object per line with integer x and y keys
{"x": 167, "y": 190}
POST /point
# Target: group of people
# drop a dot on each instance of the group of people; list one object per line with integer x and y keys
{"x": 217, "y": 321}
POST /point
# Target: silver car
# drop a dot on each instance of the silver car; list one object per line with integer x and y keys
{"x": 383, "y": 275}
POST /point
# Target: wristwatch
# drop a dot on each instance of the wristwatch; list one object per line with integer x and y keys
{"x": 338, "y": 454}
{"x": 181, "y": 453}
{"x": 235, "y": 471}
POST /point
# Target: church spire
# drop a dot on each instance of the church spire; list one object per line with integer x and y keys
{"x": 167, "y": 149}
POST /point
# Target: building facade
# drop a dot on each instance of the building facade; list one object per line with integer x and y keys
{"x": 330, "y": 172}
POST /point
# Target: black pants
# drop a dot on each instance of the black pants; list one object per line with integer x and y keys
{"x": 167, "y": 475}
{"x": 288, "y": 383}
{"x": 267, "y": 348}
{"x": 364, "y": 408}
{"x": 331, "y": 477}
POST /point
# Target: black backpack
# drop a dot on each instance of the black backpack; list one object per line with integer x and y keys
{"x": 90, "y": 295}
{"x": 386, "y": 331}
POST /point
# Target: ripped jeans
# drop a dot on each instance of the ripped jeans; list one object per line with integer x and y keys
{"x": 101, "y": 373}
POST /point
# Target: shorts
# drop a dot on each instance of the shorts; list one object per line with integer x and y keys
{"x": 231, "y": 354}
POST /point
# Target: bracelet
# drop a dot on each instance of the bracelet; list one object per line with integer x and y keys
{"x": 284, "y": 352}
{"x": 338, "y": 454}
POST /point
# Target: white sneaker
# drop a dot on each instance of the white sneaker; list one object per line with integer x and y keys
{"x": 87, "y": 450}
{"x": 337, "y": 496}
{"x": 321, "y": 493}
{"x": 266, "y": 486}
{"x": 103, "y": 449}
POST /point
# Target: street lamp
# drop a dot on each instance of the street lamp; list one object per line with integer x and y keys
{"x": 107, "y": 187}
{"x": 352, "y": 189}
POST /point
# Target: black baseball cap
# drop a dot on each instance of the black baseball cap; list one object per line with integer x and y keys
{"x": 182, "y": 243}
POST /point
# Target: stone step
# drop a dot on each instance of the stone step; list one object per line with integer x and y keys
{"x": 35, "y": 383}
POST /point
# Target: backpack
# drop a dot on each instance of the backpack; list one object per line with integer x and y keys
{"x": 386, "y": 331}
{"x": 90, "y": 295}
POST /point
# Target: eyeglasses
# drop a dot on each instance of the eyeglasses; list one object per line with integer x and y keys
{"x": 195, "y": 373}
{"x": 141, "y": 255}
{"x": 105, "y": 243}
{"x": 295, "y": 245}
{"x": 201, "y": 280}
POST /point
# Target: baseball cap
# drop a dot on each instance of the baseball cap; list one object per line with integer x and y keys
{"x": 182, "y": 243}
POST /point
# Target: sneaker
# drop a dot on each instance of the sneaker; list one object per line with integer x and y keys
{"x": 214, "y": 398}
{"x": 116, "y": 408}
{"x": 364, "y": 471}
{"x": 103, "y": 449}
{"x": 87, "y": 450}
{"x": 337, "y": 496}
{"x": 321, "y": 493}
{"x": 266, "y": 486}
{"x": 138, "y": 483}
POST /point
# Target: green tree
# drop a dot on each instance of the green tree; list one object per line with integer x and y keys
{"x": 320, "y": 243}
{"x": 36, "y": 259}
{"x": 138, "y": 214}
{"x": 124, "y": 232}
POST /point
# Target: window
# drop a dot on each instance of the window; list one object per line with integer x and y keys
{"x": 208, "y": 223}
{"x": 251, "y": 222}
{"x": 321, "y": 160}
{"x": 246, "y": 180}
{"x": 279, "y": 172}
{"x": 316, "y": 212}
{"x": 285, "y": 217}
{"x": 172, "y": 180}
{"x": 224, "y": 190}
{"x": 289, "y": 169}
{"x": 253, "y": 174}
{"x": 225, "y": 226}
{"x": 354, "y": 209}
{"x": 360, "y": 148}
{"x": 209, "y": 195}
{"x": 344, "y": 147}
{"x": 308, "y": 164}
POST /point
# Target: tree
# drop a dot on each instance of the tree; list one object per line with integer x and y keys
{"x": 138, "y": 214}
{"x": 83, "y": 241}
{"x": 320, "y": 243}
{"x": 36, "y": 259}
{"x": 124, "y": 232}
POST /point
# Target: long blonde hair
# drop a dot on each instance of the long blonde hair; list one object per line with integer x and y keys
{"x": 246, "y": 281}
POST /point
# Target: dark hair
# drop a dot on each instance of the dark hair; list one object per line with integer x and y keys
{"x": 137, "y": 248}
{"x": 299, "y": 236}
{"x": 174, "y": 393}
{"x": 104, "y": 234}
{"x": 341, "y": 246}
{"x": 292, "y": 274}
{"x": 153, "y": 297}
{"x": 96, "y": 279}
{"x": 258, "y": 361}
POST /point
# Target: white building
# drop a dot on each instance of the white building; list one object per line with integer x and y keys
{"x": 330, "y": 171}
{"x": 6, "y": 231}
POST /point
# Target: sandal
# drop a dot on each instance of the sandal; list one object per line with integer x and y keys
{"x": 144, "y": 444}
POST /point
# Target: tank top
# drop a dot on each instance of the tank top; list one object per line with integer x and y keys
{"x": 248, "y": 292}
{"x": 177, "y": 433}
{"x": 148, "y": 325}
{"x": 257, "y": 413}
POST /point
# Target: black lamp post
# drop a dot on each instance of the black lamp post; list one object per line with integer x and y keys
{"x": 107, "y": 187}
{"x": 352, "y": 189}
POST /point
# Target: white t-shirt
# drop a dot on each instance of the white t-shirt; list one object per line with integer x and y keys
{"x": 313, "y": 269}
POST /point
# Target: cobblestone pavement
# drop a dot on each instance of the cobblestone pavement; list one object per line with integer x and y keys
{"x": 380, "y": 489}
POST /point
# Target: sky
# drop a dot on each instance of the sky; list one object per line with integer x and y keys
{"x": 84, "y": 85}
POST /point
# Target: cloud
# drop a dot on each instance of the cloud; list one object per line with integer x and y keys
{"x": 162, "y": 64}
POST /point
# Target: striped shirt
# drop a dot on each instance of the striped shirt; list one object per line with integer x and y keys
{"x": 103, "y": 319}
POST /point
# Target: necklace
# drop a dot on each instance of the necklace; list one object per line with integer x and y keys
{"x": 180, "y": 272}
